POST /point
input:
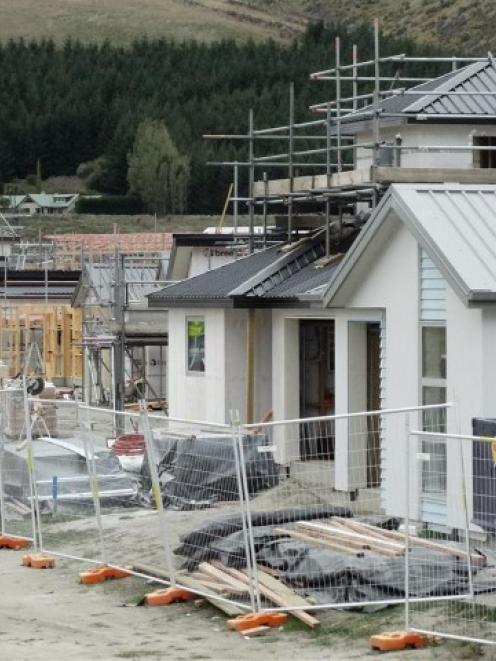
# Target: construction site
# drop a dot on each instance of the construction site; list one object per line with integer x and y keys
{"x": 280, "y": 428}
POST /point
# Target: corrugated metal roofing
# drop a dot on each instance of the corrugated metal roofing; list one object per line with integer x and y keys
{"x": 455, "y": 225}
{"x": 218, "y": 283}
{"x": 458, "y": 224}
{"x": 275, "y": 274}
{"x": 309, "y": 278}
{"x": 479, "y": 77}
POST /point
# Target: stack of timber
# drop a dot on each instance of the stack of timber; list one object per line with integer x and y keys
{"x": 214, "y": 579}
{"x": 354, "y": 537}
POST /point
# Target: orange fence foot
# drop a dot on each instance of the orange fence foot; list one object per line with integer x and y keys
{"x": 394, "y": 641}
{"x": 38, "y": 561}
{"x": 14, "y": 543}
{"x": 168, "y": 596}
{"x": 254, "y": 620}
{"x": 101, "y": 574}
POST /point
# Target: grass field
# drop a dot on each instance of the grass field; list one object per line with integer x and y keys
{"x": 466, "y": 25}
{"x": 33, "y": 228}
{"x": 122, "y": 21}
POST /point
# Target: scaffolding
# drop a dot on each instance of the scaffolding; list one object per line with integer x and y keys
{"x": 124, "y": 344}
{"x": 327, "y": 150}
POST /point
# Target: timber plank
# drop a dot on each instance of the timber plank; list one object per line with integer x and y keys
{"x": 384, "y": 546}
{"x": 320, "y": 541}
{"x": 223, "y": 578}
{"x": 284, "y": 596}
{"x": 230, "y": 609}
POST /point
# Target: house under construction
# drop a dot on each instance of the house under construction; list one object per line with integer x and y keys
{"x": 123, "y": 343}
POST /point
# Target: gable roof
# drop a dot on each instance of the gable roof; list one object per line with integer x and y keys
{"x": 437, "y": 97}
{"x": 455, "y": 224}
{"x": 279, "y": 275}
{"x": 215, "y": 285}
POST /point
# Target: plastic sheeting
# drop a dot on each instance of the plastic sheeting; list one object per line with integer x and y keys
{"x": 201, "y": 470}
{"x": 327, "y": 576}
{"x": 223, "y": 538}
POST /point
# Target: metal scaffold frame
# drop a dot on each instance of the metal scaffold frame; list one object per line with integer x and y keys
{"x": 327, "y": 148}
{"x": 109, "y": 345}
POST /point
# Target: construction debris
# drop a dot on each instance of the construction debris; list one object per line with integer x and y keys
{"x": 307, "y": 556}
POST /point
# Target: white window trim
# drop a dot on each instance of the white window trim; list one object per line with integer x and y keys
{"x": 430, "y": 382}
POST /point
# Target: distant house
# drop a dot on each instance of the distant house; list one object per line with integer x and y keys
{"x": 40, "y": 204}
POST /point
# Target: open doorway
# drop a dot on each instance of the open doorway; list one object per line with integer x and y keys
{"x": 317, "y": 388}
{"x": 374, "y": 404}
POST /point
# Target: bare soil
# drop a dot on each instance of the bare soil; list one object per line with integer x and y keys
{"x": 46, "y": 615}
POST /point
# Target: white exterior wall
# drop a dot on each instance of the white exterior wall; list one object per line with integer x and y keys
{"x": 210, "y": 396}
{"x": 426, "y": 135}
{"x": 205, "y": 259}
{"x": 197, "y": 396}
{"x": 392, "y": 285}
{"x": 235, "y": 395}
{"x": 465, "y": 368}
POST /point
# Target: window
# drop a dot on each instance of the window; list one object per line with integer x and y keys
{"x": 434, "y": 392}
{"x": 195, "y": 330}
{"x": 485, "y": 158}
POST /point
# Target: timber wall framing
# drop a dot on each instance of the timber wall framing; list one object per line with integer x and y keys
{"x": 56, "y": 329}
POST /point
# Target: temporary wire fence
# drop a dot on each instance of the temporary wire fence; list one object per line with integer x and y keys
{"x": 295, "y": 516}
{"x": 453, "y": 506}
{"x": 17, "y": 503}
{"x": 63, "y": 484}
{"x": 331, "y": 528}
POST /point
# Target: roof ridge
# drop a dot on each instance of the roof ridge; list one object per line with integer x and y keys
{"x": 462, "y": 76}
{"x": 286, "y": 258}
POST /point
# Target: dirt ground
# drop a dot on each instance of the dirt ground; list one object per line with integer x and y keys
{"x": 46, "y": 615}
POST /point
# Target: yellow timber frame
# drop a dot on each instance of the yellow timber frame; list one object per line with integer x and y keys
{"x": 60, "y": 330}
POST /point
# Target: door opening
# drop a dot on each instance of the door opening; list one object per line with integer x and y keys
{"x": 373, "y": 404}
{"x": 317, "y": 388}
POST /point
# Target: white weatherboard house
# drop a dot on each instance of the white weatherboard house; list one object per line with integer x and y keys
{"x": 402, "y": 314}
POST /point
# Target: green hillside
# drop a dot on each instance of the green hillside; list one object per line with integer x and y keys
{"x": 457, "y": 24}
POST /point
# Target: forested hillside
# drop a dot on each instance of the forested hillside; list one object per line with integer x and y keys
{"x": 64, "y": 106}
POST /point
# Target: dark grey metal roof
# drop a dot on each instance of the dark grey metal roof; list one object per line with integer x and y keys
{"x": 26, "y": 291}
{"x": 478, "y": 78}
{"x": 276, "y": 276}
{"x": 216, "y": 284}
{"x": 310, "y": 277}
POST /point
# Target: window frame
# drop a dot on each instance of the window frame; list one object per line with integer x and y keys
{"x": 432, "y": 382}
{"x": 188, "y": 320}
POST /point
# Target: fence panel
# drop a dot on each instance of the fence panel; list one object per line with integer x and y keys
{"x": 67, "y": 525}
{"x": 16, "y": 502}
{"x": 186, "y": 481}
{"x": 331, "y": 526}
{"x": 453, "y": 506}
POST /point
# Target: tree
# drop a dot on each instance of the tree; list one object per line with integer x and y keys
{"x": 158, "y": 172}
